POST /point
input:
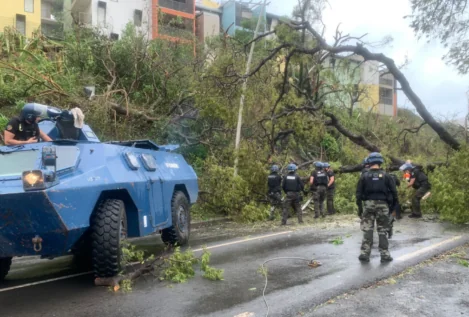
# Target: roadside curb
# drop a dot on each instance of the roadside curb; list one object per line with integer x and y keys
{"x": 204, "y": 223}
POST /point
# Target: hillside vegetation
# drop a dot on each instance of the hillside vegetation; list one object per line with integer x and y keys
{"x": 162, "y": 91}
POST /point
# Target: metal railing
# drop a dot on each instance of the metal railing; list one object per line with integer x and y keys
{"x": 386, "y": 82}
{"x": 386, "y": 101}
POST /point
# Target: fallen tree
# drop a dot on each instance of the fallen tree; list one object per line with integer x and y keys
{"x": 314, "y": 102}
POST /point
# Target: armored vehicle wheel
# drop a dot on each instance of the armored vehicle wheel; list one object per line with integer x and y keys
{"x": 179, "y": 232}
{"x": 5, "y": 264}
{"x": 108, "y": 229}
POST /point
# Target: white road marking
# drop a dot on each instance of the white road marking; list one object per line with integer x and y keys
{"x": 86, "y": 273}
{"x": 242, "y": 241}
{"x": 401, "y": 258}
{"x": 43, "y": 282}
{"x": 426, "y": 249}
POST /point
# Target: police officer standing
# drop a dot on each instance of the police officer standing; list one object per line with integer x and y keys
{"x": 330, "y": 189}
{"x": 320, "y": 180}
{"x": 378, "y": 191}
{"x": 292, "y": 186}
{"x": 24, "y": 129}
{"x": 274, "y": 182}
{"x": 365, "y": 168}
{"x": 419, "y": 181}
{"x": 394, "y": 211}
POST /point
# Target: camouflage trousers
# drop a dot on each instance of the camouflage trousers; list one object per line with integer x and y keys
{"x": 319, "y": 198}
{"x": 292, "y": 200}
{"x": 275, "y": 199}
{"x": 419, "y": 193}
{"x": 378, "y": 211}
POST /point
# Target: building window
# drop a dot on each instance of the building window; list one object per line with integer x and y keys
{"x": 114, "y": 36}
{"x": 29, "y": 6}
{"x": 46, "y": 10}
{"x": 138, "y": 17}
{"x": 385, "y": 96}
{"x": 21, "y": 24}
{"x": 101, "y": 13}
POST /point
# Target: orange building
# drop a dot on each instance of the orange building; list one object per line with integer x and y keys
{"x": 173, "y": 20}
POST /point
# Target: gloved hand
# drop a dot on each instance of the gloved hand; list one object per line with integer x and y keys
{"x": 360, "y": 208}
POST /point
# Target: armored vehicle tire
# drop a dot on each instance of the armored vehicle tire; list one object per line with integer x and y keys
{"x": 179, "y": 232}
{"x": 5, "y": 264}
{"x": 108, "y": 229}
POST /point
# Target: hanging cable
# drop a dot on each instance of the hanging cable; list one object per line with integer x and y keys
{"x": 311, "y": 263}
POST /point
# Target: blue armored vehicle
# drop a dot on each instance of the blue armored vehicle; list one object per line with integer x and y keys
{"x": 77, "y": 195}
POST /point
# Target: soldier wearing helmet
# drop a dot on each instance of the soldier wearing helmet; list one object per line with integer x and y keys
{"x": 319, "y": 180}
{"x": 419, "y": 181}
{"x": 378, "y": 192}
{"x": 292, "y": 186}
{"x": 24, "y": 129}
{"x": 274, "y": 183}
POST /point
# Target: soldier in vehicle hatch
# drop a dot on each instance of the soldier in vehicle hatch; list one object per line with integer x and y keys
{"x": 292, "y": 186}
{"x": 378, "y": 192}
{"x": 320, "y": 180}
{"x": 24, "y": 129}
{"x": 274, "y": 182}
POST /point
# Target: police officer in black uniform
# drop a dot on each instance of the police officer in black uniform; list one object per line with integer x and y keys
{"x": 330, "y": 189}
{"x": 292, "y": 186}
{"x": 24, "y": 129}
{"x": 365, "y": 168}
{"x": 378, "y": 192}
{"x": 320, "y": 180}
{"x": 274, "y": 182}
{"x": 420, "y": 182}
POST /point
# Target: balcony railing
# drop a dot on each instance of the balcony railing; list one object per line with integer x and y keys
{"x": 386, "y": 82}
{"x": 175, "y": 32}
{"x": 386, "y": 101}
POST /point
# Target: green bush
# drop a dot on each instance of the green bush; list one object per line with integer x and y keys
{"x": 450, "y": 186}
{"x": 345, "y": 189}
{"x": 221, "y": 191}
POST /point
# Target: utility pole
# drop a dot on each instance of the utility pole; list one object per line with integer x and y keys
{"x": 245, "y": 82}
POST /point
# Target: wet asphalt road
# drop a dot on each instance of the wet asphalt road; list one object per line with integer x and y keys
{"x": 293, "y": 287}
{"x": 440, "y": 288}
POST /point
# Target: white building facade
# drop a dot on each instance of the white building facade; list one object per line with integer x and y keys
{"x": 112, "y": 16}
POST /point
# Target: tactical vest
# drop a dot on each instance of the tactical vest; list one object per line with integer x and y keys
{"x": 321, "y": 178}
{"x": 274, "y": 181}
{"x": 375, "y": 185}
{"x": 291, "y": 183}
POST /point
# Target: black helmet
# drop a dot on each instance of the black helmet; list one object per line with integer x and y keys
{"x": 30, "y": 112}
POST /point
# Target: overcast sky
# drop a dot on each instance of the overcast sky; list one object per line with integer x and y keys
{"x": 439, "y": 86}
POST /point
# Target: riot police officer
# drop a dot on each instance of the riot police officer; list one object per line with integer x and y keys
{"x": 274, "y": 183}
{"x": 330, "y": 189}
{"x": 365, "y": 168}
{"x": 394, "y": 213}
{"x": 320, "y": 180}
{"x": 292, "y": 186}
{"x": 419, "y": 181}
{"x": 378, "y": 191}
{"x": 24, "y": 129}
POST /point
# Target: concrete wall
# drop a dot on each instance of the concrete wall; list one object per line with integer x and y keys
{"x": 208, "y": 24}
{"x": 10, "y": 8}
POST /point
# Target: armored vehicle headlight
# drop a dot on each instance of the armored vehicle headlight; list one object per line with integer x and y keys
{"x": 33, "y": 180}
